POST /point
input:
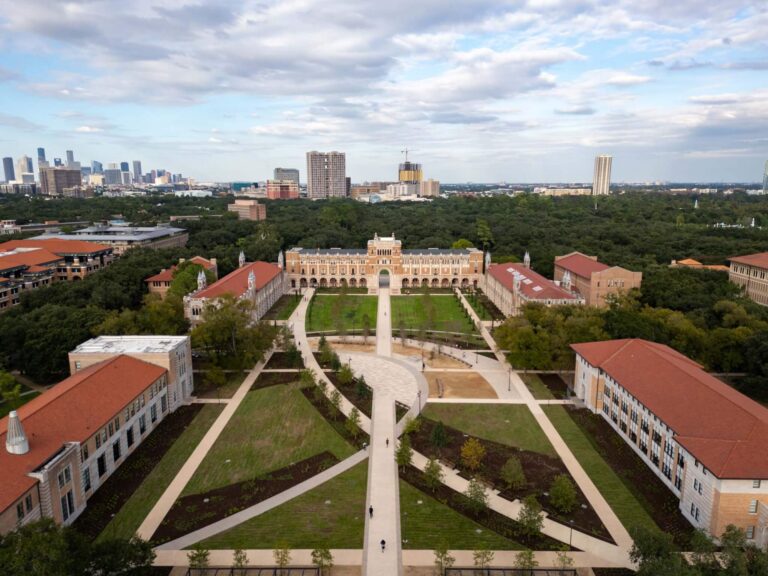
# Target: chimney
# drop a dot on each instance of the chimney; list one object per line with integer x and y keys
{"x": 16, "y": 440}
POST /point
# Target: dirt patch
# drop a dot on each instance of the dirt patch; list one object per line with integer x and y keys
{"x": 556, "y": 384}
{"x": 282, "y": 360}
{"x": 194, "y": 511}
{"x": 267, "y": 379}
{"x": 353, "y": 346}
{"x": 119, "y": 487}
{"x": 459, "y": 385}
{"x": 540, "y": 471}
{"x": 656, "y": 498}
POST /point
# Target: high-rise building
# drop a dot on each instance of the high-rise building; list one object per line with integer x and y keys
{"x": 10, "y": 174}
{"x": 57, "y": 162}
{"x": 601, "y": 183}
{"x": 409, "y": 173}
{"x": 24, "y": 165}
{"x": 97, "y": 167}
{"x": 429, "y": 188}
{"x": 765, "y": 178}
{"x": 54, "y": 180}
{"x": 282, "y": 189}
{"x": 41, "y": 155}
{"x": 112, "y": 175}
{"x": 124, "y": 167}
{"x": 326, "y": 174}
{"x": 137, "y": 171}
{"x": 70, "y": 158}
{"x": 287, "y": 174}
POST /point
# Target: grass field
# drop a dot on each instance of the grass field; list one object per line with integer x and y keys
{"x": 126, "y": 522}
{"x": 283, "y": 308}
{"x": 324, "y": 314}
{"x": 330, "y": 516}
{"x": 204, "y": 390}
{"x": 537, "y": 387}
{"x": 448, "y": 314}
{"x": 5, "y": 408}
{"x": 618, "y": 495}
{"x": 272, "y": 428}
{"x": 510, "y": 424}
{"x": 426, "y": 525}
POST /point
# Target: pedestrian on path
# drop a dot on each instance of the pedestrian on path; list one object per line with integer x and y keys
{"x": 383, "y": 544}
{"x": 387, "y": 442}
{"x": 370, "y": 511}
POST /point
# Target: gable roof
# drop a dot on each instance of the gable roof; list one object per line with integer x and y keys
{"x": 166, "y": 275}
{"x": 760, "y": 259}
{"x": 533, "y": 286}
{"x": 26, "y": 258}
{"x": 72, "y": 411}
{"x": 236, "y": 283}
{"x": 58, "y": 246}
{"x": 719, "y": 426}
{"x": 580, "y": 264}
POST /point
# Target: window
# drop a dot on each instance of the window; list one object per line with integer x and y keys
{"x": 84, "y": 453}
{"x": 28, "y": 502}
{"x": 67, "y": 505}
{"x": 164, "y": 403}
{"x": 753, "y": 507}
{"x": 142, "y": 424}
{"x": 755, "y": 483}
{"x": 117, "y": 424}
{"x": 65, "y": 476}
{"x": 86, "y": 479}
{"x": 750, "y": 532}
{"x": 153, "y": 413}
{"x": 111, "y": 430}
{"x": 101, "y": 465}
{"x": 98, "y": 441}
{"x": 116, "y": 451}
{"x": 20, "y": 510}
{"x": 129, "y": 436}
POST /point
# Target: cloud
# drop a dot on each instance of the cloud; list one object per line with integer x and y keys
{"x": 88, "y": 129}
{"x": 716, "y": 99}
{"x": 576, "y": 110}
{"x": 18, "y": 122}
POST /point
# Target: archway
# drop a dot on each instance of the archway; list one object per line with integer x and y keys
{"x": 435, "y": 282}
{"x": 363, "y": 283}
{"x": 313, "y": 282}
{"x": 303, "y": 283}
{"x": 323, "y": 283}
{"x": 405, "y": 282}
{"x": 444, "y": 283}
{"x": 352, "y": 283}
{"x": 384, "y": 278}
{"x": 333, "y": 282}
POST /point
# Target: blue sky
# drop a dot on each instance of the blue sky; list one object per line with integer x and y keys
{"x": 481, "y": 90}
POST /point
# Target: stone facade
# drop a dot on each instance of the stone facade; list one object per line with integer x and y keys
{"x": 595, "y": 281}
{"x": 384, "y": 262}
{"x": 751, "y": 273}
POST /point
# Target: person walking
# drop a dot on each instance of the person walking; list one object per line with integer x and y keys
{"x": 387, "y": 442}
{"x": 383, "y": 544}
{"x": 370, "y": 511}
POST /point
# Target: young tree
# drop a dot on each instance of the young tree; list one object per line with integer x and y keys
{"x": 199, "y": 557}
{"x": 478, "y": 498}
{"x": 438, "y": 437}
{"x": 655, "y": 554}
{"x": 353, "y": 422}
{"x": 530, "y": 517}
{"x": 363, "y": 391}
{"x": 433, "y": 474}
{"x": 562, "y": 494}
{"x": 216, "y": 378}
{"x": 482, "y": 556}
{"x": 307, "y": 378}
{"x": 443, "y": 559}
{"x": 525, "y": 560}
{"x": 412, "y": 426}
{"x": 323, "y": 559}
{"x": 335, "y": 362}
{"x": 336, "y": 399}
{"x": 345, "y": 374}
{"x": 512, "y": 473}
{"x": 564, "y": 561}
{"x": 472, "y": 454}
{"x": 282, "y": 556}
{"x": 404, "y": 452}
{"x": 239, "y": 562}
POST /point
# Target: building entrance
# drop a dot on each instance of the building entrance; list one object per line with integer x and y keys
{"x": 384, "y": 279}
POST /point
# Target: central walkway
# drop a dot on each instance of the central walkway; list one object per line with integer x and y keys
{"x": 383, "y": 488}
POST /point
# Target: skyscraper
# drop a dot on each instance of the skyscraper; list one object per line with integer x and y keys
{"x": 41, "y": 154}
{"x": 601, "y": 184}
{"x": 137, "y": 171}
{"x": 326, "y": 174}
{"x": 8, "y": 169}
{"x": 765, "y": 178}
{"x": 24, "y": 166}
{"x": 124, "y": 167}
{"x": 70, "y": 158}
{"x": 54, "y": 180}
{"x": 97, "y": 167}
{"x": 287, "y": 174}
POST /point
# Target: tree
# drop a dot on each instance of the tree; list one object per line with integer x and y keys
{"x": 443, "y": 559}
{"x": 307, "y": 378}
{"x": 438, "y": 436}
{"x": 216, "y": 378}
{"x": 525, "y": 560}
{"x": 530, "y": 518}
{"x": 119, "y": 556}
{"x": 412, "y": 425}
{"x": 482, "y": 556}
{"x": 655, "y": 554}
{"x": 322, "y": 558}
{"x": 563, "y": 560}
{"x": 10, "y": 390}
{"x": 336, "y": 399}
{"x": 239, "y": 562}
{"x": 404, "y": 452}
{"x": 185, "y": 278}
{"x": 199, "y": 557}
{"x": 433, "y": 474}
{"x": 325, "y": 351}
{"x": 512, "y": 473}
{"x": 282, "y": 556}
{"x": 476, "y": 496}
{"x": 484, "y": 234}
{"x": 462, "y": 243}
{"x": 345, "y": 375}
{"x": 353, "y": 422}
{"x": 363, "y": 391}
{"x": 562, "y": 494}
{"x": 472, "y": 454}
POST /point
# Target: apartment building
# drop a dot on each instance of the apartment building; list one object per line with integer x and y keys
{"x": 751, "y": 273}
{"x": 705, "y": 441}
{"x": 326, "y": 175}
{"x": 161, "y": 282}
{"x": 282, "y": 189}
{"x": 248, "y": 209}
{"x": 63, "y": 445}
{"x": 595, "y": 281}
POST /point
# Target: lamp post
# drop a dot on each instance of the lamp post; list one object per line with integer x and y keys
{"x": 509, "y": 380}
{"x": 570, "y": 539}
{"x": 419, "y": 395}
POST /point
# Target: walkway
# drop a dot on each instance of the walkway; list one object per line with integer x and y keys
{"x": 383, "y": 483}
{"x": 175, "y": 488}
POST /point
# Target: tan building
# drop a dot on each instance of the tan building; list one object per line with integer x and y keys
{"x": 751, "y": 273}
{"x": 594, "y": 280}
{"x": 160, "y": 282}
{"x": 429, "y": 188}
{"x": 260, "y": 282}
{"x": 282, "y": 190}
{"x": 54, "y": 179}
{"x": 512, "y": 285}
{"x": 696, "y": 265}
{"x": 326, "y": 175}
{"x": 123, "y": 238}
{"x": 248, "y": 209}
{"x": 60, "y": 447}
{"x": 704, "y": 440}
{"x": 385, "y": 263}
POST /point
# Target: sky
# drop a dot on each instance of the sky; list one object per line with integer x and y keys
{"x": 478, "y": 90}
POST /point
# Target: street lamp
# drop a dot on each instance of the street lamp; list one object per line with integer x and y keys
{"x": 570, "y": 539}
{"x": 419, "y": 395}
{"x": 509, "y": 380}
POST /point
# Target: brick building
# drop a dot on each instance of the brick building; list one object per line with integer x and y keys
{"x": 751, "y": 273}
{"x": 282, "y": 190}
{"x": 248, "y": 209}
{"x": 594, "y": 280}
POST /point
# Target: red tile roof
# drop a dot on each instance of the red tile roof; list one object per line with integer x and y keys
{"x": 72, "y": 411}
{"x": 719, "y": 426}
{"x": 533, "y": 286}
{"x": 580, "y": 264}
{"x": 167, "y": 274}
{"x": 28, "y": 258}
{"x": 236, "y": 282}
{"x": 57, "y": 246}
{"x": 760, "y": 259}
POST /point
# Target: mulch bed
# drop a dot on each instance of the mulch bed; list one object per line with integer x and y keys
{"x": 488, "y": 518}
{"x": 612, "y": 572}
{"x": 656, "y": 498}
{"x": 333, "y": 416}
{"x": 192, "y": 512}
{"x": 400, "y": 410}
{"x": 359, "y": 394}
{"x": 267, "y": 379}
{"x": 485, "y": 302}
{"x": 556, "y": 384}
{"x": 110, "y": 497}
{"x": 281, "y": 360}
{"x": 540, "y": 470}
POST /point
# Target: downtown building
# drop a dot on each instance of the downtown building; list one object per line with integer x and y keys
{"x": 601, "y": 183}
{"x": 53, "y": 180}
{"x": 282, "y": 189}
{"x": 751, "y": 273}
{"x": 286, "y": 174}
{"x": 248, "y": 209}
{"x": 595, "y": 281}
{"x": 384, "y": 262}
{"x": 326, "y": 175}
{"x": 705, "y": 441}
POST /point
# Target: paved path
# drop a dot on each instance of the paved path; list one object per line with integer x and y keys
{"x": 383, "y": 483}
{"x": 171, "y": 494}
{"x": 251, "y": 512}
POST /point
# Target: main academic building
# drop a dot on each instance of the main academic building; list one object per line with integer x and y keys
{"x": 384, "y": 263}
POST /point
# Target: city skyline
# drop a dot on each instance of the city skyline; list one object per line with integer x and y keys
{"x": 484, "y": 91}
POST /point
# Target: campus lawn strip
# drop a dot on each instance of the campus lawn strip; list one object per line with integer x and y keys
{"x": 333, "y": 416}
{"x": 267, "y": 379}
{"x": 441, "y": 313}
{"x": 341, "y": 313}
{"x": 357, "y": 392}
{"x": 203, "y": 389}
{"x": 273, "y": 427}
{"x": 283, "y": 308}
{"x": 284, "y": 360}
{"x": 634, "y": 493}
{"x": 537, "y": 387}
{"x": 483, "y": 307}
{"x": 329, "y": 516}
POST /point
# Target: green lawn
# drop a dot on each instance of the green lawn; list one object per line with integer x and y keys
{"x": 618, "y": 495}
{"x": 341, "y": 312}
{"x": 283, "y": 308}
{"x": 510, "y": 424}
{"x": 127, "y": 521}
{"x": 204, "y": 390}
{"x": 413, "y": 313}
{"x": 537, "y": 387}
{"x": 330, "y": 516}
{"x": 427, "y": 525}
{"x": 5, "y": 408}
{"x": 272, "y": 428}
